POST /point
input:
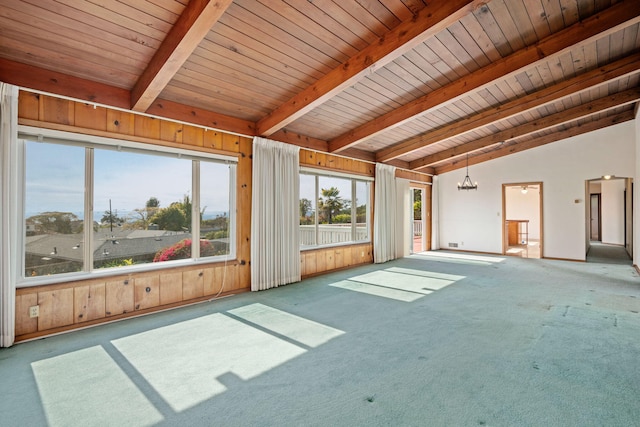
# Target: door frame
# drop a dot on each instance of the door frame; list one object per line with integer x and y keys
{"x": 599, "y": 197}
{"x": 505, "y": 235}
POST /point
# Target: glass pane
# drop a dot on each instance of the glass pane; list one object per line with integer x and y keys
{"x": 307, "y": 210}
{"x": 214, "y": 209}
{"x": 334, "y": 210}
{"x": 142, "y": 208}
{"x": 54, "y": 209}
{"x": 362, "y": 218}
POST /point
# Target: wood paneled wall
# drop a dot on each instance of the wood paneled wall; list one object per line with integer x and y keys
{"x": 331, "y": 162}
{"x": 75, "y": 304}
{"x": 317, "y": 261}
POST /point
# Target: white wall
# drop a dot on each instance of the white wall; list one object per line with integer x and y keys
{"x": 473, "y": 218}
{"x": 612, "y": 205}
{"x": 524, "y": 206}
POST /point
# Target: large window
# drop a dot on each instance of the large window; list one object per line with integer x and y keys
{"x": 333, "y": 210}
{"x": 90, "y": 207}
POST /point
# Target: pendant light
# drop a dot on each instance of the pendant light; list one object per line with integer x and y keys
{"x": 467, "y": 184}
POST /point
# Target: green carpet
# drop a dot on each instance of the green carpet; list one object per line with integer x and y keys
{"x": 437, "y": 339}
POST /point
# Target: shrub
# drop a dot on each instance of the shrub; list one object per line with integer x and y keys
{"x": 182, "y": 250}
{"x": 342, "y": 219}
{"x": 220, "y": 234}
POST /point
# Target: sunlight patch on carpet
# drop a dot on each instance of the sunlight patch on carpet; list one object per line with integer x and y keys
{"x": 183, "y": 361}
{"x": 83, "y": 388}
{"x": 402, "y": 281}
{"x": 299, "y": 329}
{"x": 379, "y": 291}
{"x": 441, "y": 279}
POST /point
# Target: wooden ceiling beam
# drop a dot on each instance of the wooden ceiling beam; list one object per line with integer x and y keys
{"x": 192, "y": 26}
{"x": 31, "y": 77}
{"x": 436, "y": 16}
{"x": 199, "y": 116}
{"x": 77, "y": 88}
{"x": 547, "y": 122}
{"x": 620, "y": 15}
{"x": 300, "y": 140}
{"x": 618, "y": 69}
{"x": 537, "y": 142}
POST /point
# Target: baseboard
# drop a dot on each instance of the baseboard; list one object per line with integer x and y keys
{"x": 564, "y": 259}
{"x": 469, "y": 252}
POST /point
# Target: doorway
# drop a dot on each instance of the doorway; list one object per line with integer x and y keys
{"x": 609, "y": 216}
{"x": 420, "y": 217}
{"x": 522, "y": 223}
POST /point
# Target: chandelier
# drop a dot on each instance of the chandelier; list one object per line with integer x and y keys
{"x": 467, "y": 184}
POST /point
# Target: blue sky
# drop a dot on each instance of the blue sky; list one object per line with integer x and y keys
{"x": 55, "y": 180}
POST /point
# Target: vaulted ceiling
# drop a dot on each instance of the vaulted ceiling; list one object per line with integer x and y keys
{"x": 418, "y": 84}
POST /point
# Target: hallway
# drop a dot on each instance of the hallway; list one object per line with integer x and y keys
{"x": 608, "y": 254}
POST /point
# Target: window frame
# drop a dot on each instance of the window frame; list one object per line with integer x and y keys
{"x": 89, "y": 143}
{"x": 354, "y": 178}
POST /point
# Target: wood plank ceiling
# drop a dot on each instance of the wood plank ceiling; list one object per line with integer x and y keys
{"x": 417, "y": 84}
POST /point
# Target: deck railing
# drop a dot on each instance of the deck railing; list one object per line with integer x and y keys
{"x": 417, "y": 227}
{"x": 331, "y": 233}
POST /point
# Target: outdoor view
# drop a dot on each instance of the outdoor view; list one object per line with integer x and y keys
{"x": 341, "y": 207}
{"x": 142, "y": 208}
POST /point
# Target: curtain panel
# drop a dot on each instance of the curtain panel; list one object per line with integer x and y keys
{"x": 384, "y": 214}
{"x": 404, "y": 234}
{"x": 275, "y": 221}
{"x": 8, "y": 211}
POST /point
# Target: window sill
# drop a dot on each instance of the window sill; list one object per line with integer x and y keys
{"x": 120, "y": 271}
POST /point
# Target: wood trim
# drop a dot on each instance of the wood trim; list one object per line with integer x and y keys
{"x": 121, "y": 136}
{"x": 414, "y": 177}
{"x": 547, "y": 139}
{"x": 191, "y": 27}
{"x": 566, "y": 116}
{"x": 137, "y": 313}
{"x": 589, "y": 80}
{"x": 434, "y": 18}
{"x": 564, "y": 259}
{"x": 614, "y": 18}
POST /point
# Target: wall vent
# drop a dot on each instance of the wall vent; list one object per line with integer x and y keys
{"x": 453, "y": 245}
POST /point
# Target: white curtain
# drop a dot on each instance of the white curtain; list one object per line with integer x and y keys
{"x": 8, "y": 211}
{"x": 275, "y": 221}
{"x": 384, "y": 214}
{"x": 435, "y": 213}
{"x": 404, "y": 235}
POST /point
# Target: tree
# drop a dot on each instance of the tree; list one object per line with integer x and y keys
{"x": 331, "y": 203}
{"x": 171, "y": 218}
{"x": 144, "y": 215}
{"x": 417, "y": 204}
{"x": 305, "y": 211}
{"x": 55, "y": 223}
{"x": 111, "y": 217}
{"x": 152, "y": 203}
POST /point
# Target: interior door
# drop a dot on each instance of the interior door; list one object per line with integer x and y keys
{"x": 595, "y": 217}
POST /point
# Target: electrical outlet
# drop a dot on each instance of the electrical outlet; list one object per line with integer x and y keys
{"x": 34, "y": 311}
